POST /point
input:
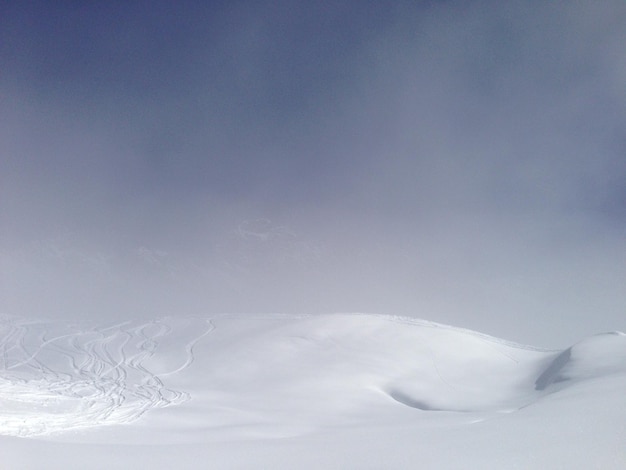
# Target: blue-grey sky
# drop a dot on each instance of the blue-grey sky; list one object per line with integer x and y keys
{"x": 461, "y": 161}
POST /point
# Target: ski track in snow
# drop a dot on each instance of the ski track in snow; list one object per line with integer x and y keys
{"x": 52, "y": 381}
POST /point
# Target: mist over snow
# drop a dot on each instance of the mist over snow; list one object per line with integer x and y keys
{"x": 457, "y": 162}
{"x": 462, "y": 163}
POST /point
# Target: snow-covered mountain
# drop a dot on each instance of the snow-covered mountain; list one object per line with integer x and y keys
{"x": 304, "y": 391}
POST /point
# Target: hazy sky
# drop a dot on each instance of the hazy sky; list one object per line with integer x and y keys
{"x": 459, "y": 161}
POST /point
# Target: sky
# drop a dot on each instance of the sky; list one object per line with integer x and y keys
{"x": 457, "y": 161}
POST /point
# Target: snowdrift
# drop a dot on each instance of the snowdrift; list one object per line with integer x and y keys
{"x": 293, "y": 380}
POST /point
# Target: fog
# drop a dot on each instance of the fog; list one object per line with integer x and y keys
{"x": 461, "y": 162}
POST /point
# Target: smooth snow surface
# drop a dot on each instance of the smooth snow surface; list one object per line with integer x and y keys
{"x": 323, "y": 391}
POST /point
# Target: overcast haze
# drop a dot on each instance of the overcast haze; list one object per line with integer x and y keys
{"x": 462, "y": 162}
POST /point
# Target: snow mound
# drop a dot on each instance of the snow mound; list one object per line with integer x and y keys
{"x": 275, "y": 375}
{"x": 596, "y": 356}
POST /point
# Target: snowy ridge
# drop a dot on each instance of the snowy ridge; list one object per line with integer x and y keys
{"x": 432, "y": 324}
{"x": 270, "y": 376}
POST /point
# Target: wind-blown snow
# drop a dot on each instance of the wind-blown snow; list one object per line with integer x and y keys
{"x": 279, "y": 391}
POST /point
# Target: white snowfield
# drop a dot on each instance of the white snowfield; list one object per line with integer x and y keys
{"x": 341, "y": 391}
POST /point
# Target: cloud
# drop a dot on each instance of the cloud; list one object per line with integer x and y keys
{"x": 457, "y": 161}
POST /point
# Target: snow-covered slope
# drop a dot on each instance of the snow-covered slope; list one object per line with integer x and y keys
{"x": 323, "y": 391}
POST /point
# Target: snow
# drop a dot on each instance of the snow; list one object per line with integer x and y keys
{"x": 304, "y": 391}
